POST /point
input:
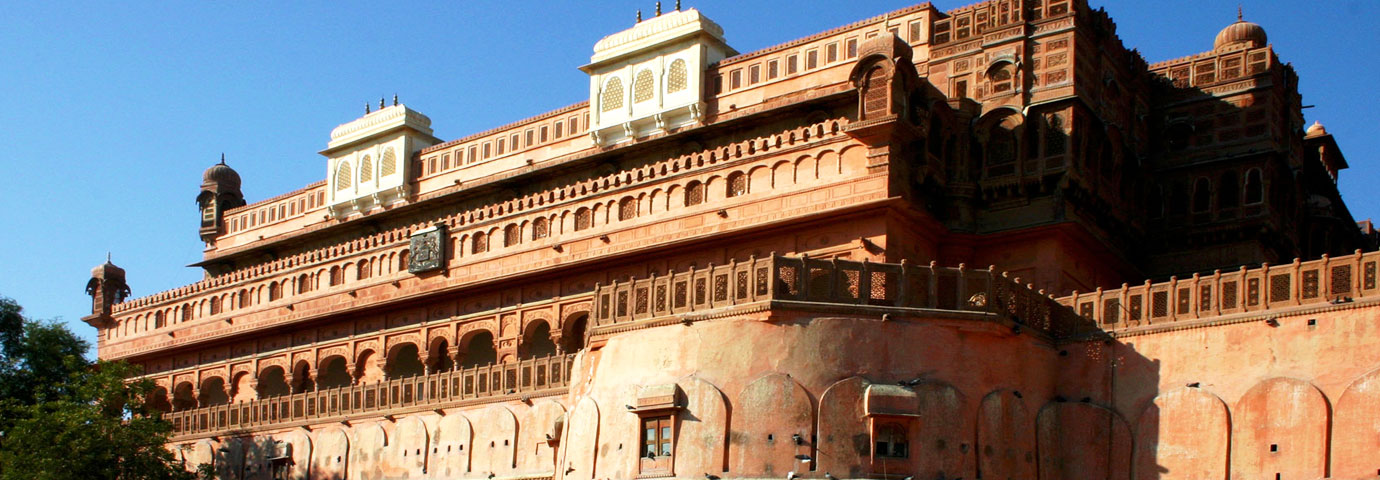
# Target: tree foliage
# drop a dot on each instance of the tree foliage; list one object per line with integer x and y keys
{"x": 64, "y": 417}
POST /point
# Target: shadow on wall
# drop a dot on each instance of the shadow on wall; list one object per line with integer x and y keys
{"x": 240, "y": 456}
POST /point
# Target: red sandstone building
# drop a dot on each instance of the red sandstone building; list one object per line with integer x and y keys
{"x": 775, "y": 264}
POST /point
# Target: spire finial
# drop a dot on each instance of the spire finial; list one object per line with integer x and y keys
{"x": 677, "y": 5}
{"x": 380, "y": 103}
{"x": 395, "y": 99}
{"x": 107, "y": 256}
{"x": 658, "y": 9}
{"x": 366, "y": 108}
{"x": 222, "y": 159}
{"x": 639, "y": 15}
{"x": 1239, "y": 16}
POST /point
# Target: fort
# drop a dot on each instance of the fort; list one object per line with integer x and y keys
{"x": 991, "y": 242}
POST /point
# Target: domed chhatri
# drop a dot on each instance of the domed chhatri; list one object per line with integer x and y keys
{"x": 221, "y": 175}
{"x": 1315, "y": 130}
{"x": 1241, "y": 33}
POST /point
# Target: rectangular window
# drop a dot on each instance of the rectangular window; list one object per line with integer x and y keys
{"x": 831, "y": 53}
{"x": 852, "y": 47}
{"x": 513, "y": 142}
{"x": 718, "y": 84}
{"x": 445, "y": 162}
{"x": 735, "y": 79}
{"x": 811, "y": 59}
{"x": 559, "y": 126}
{"x": 459, "y": 157}
{"x": 917, "y": 33}
{"x": 531, "y": 137}
{"x": 792, "y": 64}
{"x": 961, "y": 89}
{"x": 473, "y": 151}
{"x": 772, "y": 70}
{"x": 657, "y": 444}
{"x": 754, "y": 74}
{"x": 486, "y": 150}
{"x": 501, "y": 144}
{"x": 542, "y": 137}
{"x": 431, "y": 165}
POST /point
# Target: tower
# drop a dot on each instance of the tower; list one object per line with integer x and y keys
{"x": 220, "y": 191}
{"x": 107, "y": 287}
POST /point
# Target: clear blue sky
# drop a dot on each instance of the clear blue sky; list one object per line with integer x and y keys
{"x": 111, "y": 110}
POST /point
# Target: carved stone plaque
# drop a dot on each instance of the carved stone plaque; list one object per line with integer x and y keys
{"x": 428, "y": 250}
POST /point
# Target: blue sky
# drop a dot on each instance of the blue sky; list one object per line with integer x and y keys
{"x": 112, "y": 110}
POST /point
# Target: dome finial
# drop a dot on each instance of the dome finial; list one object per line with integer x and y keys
{"x": 639, "y": 16}
{"x": 222, "y": 158}
{"x": 1239, "y": 16}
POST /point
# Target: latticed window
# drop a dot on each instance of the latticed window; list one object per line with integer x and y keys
{"x": 642, "y": 86}
{"x": 1001, "y": 80}
{"x": 480, "y": 243}
{"x": 582, "y": 219}
{"x": 891, "y": 441}
{"x": 627, "y": 208}
{"x": 390, "y": 163}
{"x": 612, "y": 98}
{"x": 694, "y": 193}
{"x": 676, "y": 79}
{"x": 511, "y": 236}
{"x": 366, "y": 170}
{"x": 540, "y": 228}
{"x": 737, "y": 184}
{"x": 342, "y": 176}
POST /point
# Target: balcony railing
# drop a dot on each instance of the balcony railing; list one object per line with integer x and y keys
{"x": 1314, "y": 282}
{"x": 437, "y": 390}
{"x": 804, "y": 279}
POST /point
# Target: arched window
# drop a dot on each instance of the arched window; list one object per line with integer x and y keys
{"x": 642, "y": 86}
{"x": 303, "y": 283}
{"x": 337, "y": 276}
{"x": 1202, "y": 195}
{"x": 1001, "y": 79}
{"x": 891, "y": 441}
{"x": 480, "y": 243}
{"x": 736, "y": 185}
{"x": 275, "y": 291}
{"x": 215, "y": 305}
{"x": 390, "y": 163}
{"x": 612, "y": 98}
{"x": 1255, "y": 191}
{"x": 694, "y": 193}
{"x": 1228, "y": 191}
{"x": 541, "y": 228}
{"x": 627, "y": 208}
{"x": 1001, "y": 151}
{"x": 366, "y": 170}
{"x": 511, "y": 235}
{"x": 342, "y": 176}
{"x": 363, "y": 270}
{"x": 676, "y": 78}
{"x": 582, "y": 219}
{"x": 186, "y": 313}
{"x": 158, "y": 320}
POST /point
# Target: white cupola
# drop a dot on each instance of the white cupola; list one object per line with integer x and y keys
{"x": 650, "y": 78}
{"x": 369, "y": 158}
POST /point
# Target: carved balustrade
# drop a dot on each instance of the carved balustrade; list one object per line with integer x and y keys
{"x": 1314, "y": 282}
{"x": 538, "y": 376}
{"x": 802, "y": 279}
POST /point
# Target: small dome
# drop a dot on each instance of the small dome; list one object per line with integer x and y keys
{"x": 222, "y": 175}
{"x": 107, "y": 270}
{"x": 1241, "y": 32}
{"x": 1316, "y": 129}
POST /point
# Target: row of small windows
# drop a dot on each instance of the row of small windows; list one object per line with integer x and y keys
{"x": 344, "y": 177}
{"x": 644, "y": 84}
{"x": 1231, "y": 193}
{"x": 276, "y": 212}
{"x": 504, "y": 144}
{"x": 792, "y": 62}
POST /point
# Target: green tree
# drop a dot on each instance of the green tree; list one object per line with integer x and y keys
{"x": 64, "y": 417}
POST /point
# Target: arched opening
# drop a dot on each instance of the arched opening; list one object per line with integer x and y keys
{"x": 736, "y": 184}
{"x": 242, "y": 388}
{"x": 1202, "y": 195}
{"x": 536, "y": 343}
{"x": 583, "y": 218}
{"x": 1228, "y": 191}
{"x": 1255, "y": 193}
{"x": 368, "y": 368}
{"x": 157, "y": 400}
{"x": 334, "y": 374}
{"x": 440, "y": 356}
{"x": 302, "y": 381}
{"x": 213, "y": 392}
{"x": 627, "y": 208}
{"x": 183, "y": 399}
{"x": 573, "y": 339}
{"x": 480, "y": 243}
{"x": 511, "y": 235}
{"x": 273, "y": 383}
{"x": 404, "y": 362}
{"x": 540, "y": 228}
{"x": 694, "y": 193}
{"x": 479, "y": 351}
